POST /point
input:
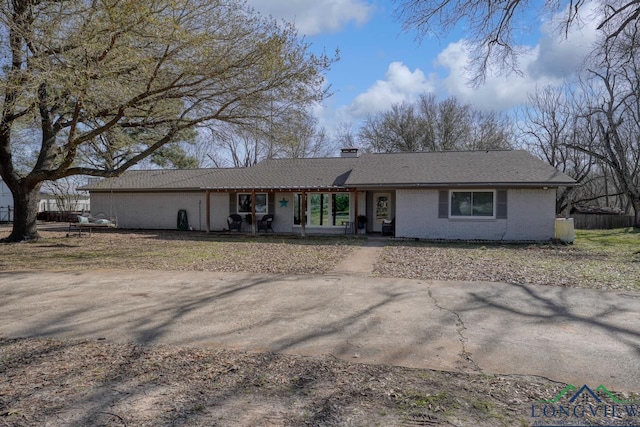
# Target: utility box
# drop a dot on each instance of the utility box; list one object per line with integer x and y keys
{"x": 564, "y": 231}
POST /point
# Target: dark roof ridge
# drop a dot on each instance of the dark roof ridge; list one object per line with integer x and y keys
{"x": 180, "y": 169}
{"x": 496, "y": 150}
{"x": 306, "y": 158}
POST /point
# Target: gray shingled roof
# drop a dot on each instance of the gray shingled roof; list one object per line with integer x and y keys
{"x": 163, "y": 179}
{"x": 495, "y": 168}
{"x": 455, "y": 168}
{"x": 302, "y": 173}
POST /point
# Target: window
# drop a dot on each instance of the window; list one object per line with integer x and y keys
{"x": 319, "y": 209}
{"x": 323, "y": 209}
{"x": 297, "y": 211}
{"x": 244, "y": 203}
{"x": 472, "y": 204}
{"x": 340, "y": 209}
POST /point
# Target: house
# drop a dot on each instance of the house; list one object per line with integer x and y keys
{"x": 63, "y": 202}
{"x": 47, "y": 203}
{"x": 6, "y": 203}
{"x": 487, "y": 195}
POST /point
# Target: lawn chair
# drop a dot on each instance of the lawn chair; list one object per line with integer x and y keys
{"x": 389, "y": 227}
{"x": 265, "y": 223}
{"x": 235, "y": 222}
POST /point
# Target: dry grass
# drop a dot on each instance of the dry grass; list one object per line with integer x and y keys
{"x": 169, "y": 250}
{"x": 598, "y": 259}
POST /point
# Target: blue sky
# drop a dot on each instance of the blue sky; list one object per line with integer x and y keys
{"x": 381, "y": 65}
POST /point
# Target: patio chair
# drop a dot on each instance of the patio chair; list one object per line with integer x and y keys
{"x": 389, "y": 227}
{"x": 235, "y": 222}
{"x": 265, "y": 223}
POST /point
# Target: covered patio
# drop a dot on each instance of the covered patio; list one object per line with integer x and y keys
{"x": 303, "y": 208}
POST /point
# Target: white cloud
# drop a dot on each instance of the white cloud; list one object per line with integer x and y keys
{"x": 400, "y": 84}
{"x": 499, "y": 91}
{"x": 559, "y": 55}
{"x": 555, "y": 58}
{"x": 319, "y": 16}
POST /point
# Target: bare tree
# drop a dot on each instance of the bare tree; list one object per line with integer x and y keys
{"x": 345, "y": 135}
{"x": 295, "y": 134}
{"x": 301, "y": 136}
{"x": 612, "y": 109}
{"x": 65, "y": 193}
{"x": 453, "y": 124}
{"x": 492, "y": 25}
{"x": 108, "y": 83}
{"x": 490, "y": 131}
{"x": 398, "y": 129}
{"x": 548, "y": 127}
{"x": 430, "y": 125}
{"x": 202, "y": 150}
{"x": 238, "y": 149}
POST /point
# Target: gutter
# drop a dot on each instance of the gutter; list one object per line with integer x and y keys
{"x": 467, "y": 185}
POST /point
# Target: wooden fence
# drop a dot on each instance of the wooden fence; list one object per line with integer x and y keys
{"x": 601, "y": 221}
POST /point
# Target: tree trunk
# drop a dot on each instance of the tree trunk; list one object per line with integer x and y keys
{"x": 25, "y": 203}
{"x": 562, "y": 201}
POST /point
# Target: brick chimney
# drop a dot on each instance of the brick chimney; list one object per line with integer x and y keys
{"x": 349, "y": 152}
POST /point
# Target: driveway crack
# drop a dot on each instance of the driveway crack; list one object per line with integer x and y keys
{"x": 460, "y": 328}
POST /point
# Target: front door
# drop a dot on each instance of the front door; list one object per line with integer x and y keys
{"x": 381, "y": 210}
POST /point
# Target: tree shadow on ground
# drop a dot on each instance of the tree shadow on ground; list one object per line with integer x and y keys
{"x": 135, "y": 384}
{"x": 121, "y": 385}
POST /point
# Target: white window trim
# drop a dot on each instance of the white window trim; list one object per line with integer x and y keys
{"x": 307, "y": 212}
{"x": 473, "y": 217}
{"x": 239, "y": 212}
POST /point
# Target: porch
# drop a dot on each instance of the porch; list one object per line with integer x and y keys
{"x": 301, "y": 211}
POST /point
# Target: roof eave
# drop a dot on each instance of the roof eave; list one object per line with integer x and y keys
{"x": 141, "y": 189}
{"x": 283, "y": 189}
{"x": 467, "y": 184}
{"x": 352, "y": 187}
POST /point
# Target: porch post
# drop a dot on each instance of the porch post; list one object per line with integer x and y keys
{"x": 253, "y": 211}
{"x": 355, "y": 212}
{"x": 208, "y": 209}
{"x": 303, "y": 216}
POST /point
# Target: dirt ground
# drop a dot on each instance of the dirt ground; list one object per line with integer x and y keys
{"x": 92, "y": 383}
